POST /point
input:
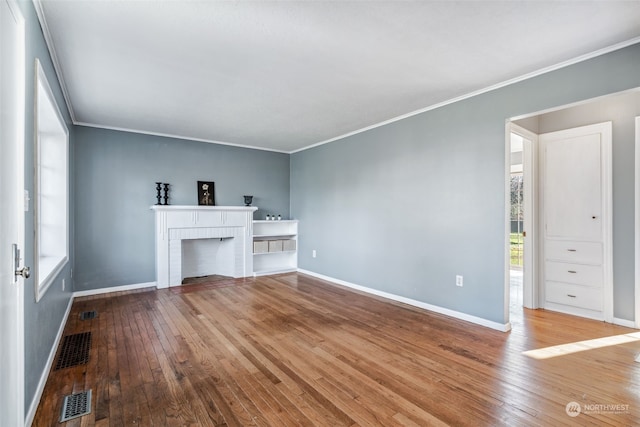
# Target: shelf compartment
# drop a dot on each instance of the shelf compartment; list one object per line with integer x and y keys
{"x": 289, "y": 245}
{"x": 260, "y": 246}
{"x": 275, "y": 245}
{"x": 274, "y": 253}
{"x": 278, "y": 240}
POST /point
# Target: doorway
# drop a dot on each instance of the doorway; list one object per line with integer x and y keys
{"x": 516, "y": 220}
{"x": 522, "y": 217}
{"x": 565, "y": 279}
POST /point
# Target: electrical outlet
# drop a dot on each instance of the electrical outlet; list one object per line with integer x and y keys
{"x": 459, "y": 281}
{"x": 313, "y": 253}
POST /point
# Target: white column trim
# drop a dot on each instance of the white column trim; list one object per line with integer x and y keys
{"x": 637, "y": 225}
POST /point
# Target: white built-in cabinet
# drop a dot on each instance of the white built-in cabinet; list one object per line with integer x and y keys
{"x": 576, "y": 207}
{"x": 275, "y": 246}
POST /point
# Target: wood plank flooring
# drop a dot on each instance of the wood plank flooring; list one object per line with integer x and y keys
{"x": 292, "y": 350}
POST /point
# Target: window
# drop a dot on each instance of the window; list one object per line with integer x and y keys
{"x": 51, "y": 186}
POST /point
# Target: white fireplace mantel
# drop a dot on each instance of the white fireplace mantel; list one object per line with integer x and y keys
{"x": 176, "y": 224}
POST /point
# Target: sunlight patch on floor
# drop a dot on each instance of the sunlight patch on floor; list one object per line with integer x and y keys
{"x": 575, "y": 347}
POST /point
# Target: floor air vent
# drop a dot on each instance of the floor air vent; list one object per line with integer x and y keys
{"x": 75, "y": 405}
{"x": 74, "y": 351}
{"x": 87, "y": 315}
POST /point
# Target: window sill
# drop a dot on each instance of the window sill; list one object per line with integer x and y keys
{"x": 48, "y": 269}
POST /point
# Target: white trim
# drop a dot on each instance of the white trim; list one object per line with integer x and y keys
{"x": 505, "y": 83}
{"x": 507, "y": 222}
{"x": 186, "y": 138}
{"x": 637, "y": 225}
{"x": 100, "y": 291}
{"x": 54, "y": 57}
{"x": 33, "y": 407}
{"x": 573, "y": 104}
{"x": 502, "y": 327}
{"x": 607, "y": 181}
{"x": 624, "y": 322}
{"x": 42, "y": 284}
{"x": 530, "y": 164}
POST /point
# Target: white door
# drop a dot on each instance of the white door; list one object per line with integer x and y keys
{"x": 576, "y": 215}
{"x": 12, "y": 106}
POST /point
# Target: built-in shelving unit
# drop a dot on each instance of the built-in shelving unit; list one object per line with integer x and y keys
{"x": 275, "y": 246}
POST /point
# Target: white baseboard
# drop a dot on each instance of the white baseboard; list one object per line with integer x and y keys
{"x": 502, "y": 327}
{"x": 90, "y": 292}
{"x": 624, "y": 322}
{"x": 33, "y": 407}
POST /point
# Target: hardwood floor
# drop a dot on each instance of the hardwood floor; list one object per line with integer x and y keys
{"x": 292, "y": 350}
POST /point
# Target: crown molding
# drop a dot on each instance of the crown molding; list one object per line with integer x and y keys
{"x": 54, "y": 57}
{"x": 505, "y": 83}
{"x": 186, "y": 138}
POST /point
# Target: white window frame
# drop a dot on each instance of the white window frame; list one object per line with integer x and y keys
{"x": 52, "y": 225}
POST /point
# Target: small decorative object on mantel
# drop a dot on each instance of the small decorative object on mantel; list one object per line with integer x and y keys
{"x": 206, "y": 193}
{"x": 166, "y": 193}
{"x": 159, "y": 196}
{"x": 279, "y": 217}
{"x": 268, "y": 217}
{"x": 159, "y": 191}
{"x": 248, "y": 200}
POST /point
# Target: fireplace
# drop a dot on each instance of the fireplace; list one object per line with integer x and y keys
{"x": 202, "y": 240}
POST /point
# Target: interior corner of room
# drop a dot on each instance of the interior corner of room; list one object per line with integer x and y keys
{"x": 438, "y": 207}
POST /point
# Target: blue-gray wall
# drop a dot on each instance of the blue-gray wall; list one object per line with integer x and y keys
{"x": 405, "y": 207}
{"x": 115, "y": 186}
{"x": 42, "y": 319}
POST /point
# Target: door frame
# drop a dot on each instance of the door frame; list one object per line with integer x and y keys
{"x": 530, "y": 173}
{"x": 14, "y": 412}
{"x": 530, "y": 289}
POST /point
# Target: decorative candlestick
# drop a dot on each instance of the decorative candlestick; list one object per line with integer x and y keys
{"x": 159, "y": 195}
{"x": 166, "y": 193}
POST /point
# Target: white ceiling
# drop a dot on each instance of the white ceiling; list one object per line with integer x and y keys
{"x": 284, "y": 75}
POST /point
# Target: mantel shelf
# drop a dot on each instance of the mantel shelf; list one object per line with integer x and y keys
{"x": 203, "y": 208}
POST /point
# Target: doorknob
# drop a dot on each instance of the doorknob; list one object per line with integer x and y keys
{"x": 25, "y": 272}
{"x": 524, "y": 234}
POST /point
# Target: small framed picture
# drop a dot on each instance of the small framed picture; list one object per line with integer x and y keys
{"x": 206, "y": 193}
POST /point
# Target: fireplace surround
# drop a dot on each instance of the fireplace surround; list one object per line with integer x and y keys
{"x": 202, "y": 240}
